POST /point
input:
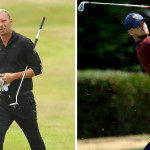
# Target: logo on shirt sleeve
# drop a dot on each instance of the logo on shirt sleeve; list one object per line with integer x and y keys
{"x": 41, "y": 68}
{"x": 34, "y": 50}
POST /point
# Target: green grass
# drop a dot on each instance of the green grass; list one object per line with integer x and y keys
{"x": 55, "y": 88}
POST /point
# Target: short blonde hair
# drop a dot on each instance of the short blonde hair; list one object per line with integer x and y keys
{"x": 5, "y": 11}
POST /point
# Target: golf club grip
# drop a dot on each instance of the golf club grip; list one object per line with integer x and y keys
{"x": 36, "y": 39}
{"x": 35, "y": 42}
{"x": 42, "y": 22}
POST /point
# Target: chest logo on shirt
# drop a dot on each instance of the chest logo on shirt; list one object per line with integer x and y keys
{"x": 135, "y": 17}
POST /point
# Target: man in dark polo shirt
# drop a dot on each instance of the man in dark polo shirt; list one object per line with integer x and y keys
{"x": 137, "y": 28}
{"x": 17, "y": 51}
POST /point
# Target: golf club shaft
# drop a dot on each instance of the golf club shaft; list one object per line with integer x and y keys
{"x": 21, "y": 83}
{"x": 35, "y": 42}
{"x": 116, "y": 4}
{"x": 81, "y": 5}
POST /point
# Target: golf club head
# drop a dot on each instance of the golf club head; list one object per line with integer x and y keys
{"x": 81, "y": 6}
{"x": 14, "y": 106}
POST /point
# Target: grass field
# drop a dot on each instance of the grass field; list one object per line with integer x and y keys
{"x": 55, "y": 88}
{"x": 132, "y": 142}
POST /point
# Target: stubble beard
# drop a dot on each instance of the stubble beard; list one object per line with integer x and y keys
{"x": 4, "y": 33}
{"x": 143, "y": 36}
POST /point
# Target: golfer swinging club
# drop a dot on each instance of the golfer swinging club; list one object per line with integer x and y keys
{"x": 16, "y": 51}
{"x": 137, "y": 28}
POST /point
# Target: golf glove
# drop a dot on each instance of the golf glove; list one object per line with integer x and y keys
{"x": 3, "y": 87}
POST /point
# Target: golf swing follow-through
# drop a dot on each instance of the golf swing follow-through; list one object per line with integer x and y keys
{"x": 19, "y": 62}
{"x": 136, "y": 26}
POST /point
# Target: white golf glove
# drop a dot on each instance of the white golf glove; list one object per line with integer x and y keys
{"x": 3, "y": 87}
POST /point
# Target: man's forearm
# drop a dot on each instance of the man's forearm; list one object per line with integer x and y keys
{"x": 9, "y": 77}
{"x": 29, "y": 74}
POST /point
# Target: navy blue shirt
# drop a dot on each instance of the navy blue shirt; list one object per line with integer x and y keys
{"x": 14, "y": 57}
{"x": 138, "y": 42}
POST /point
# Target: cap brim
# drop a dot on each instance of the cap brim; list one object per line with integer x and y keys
{"x": 138, "y": 23}
{"x": 145, "y": 19}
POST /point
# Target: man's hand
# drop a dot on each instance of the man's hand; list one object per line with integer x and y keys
{"x": 1, "y": 82}
{"x": 7, "y": 77}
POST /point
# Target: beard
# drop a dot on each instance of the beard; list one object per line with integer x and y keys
{"x": 3, "y": 33}
{"x": 143, "y": 36}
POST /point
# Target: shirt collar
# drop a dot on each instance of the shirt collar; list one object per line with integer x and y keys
{"x": 138, "y": 42}
{"x": 13, "y": 37}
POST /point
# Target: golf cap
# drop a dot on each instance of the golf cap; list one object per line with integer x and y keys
{"x": 133, "y": 20}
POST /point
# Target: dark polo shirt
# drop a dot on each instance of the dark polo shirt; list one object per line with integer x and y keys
{"x": 14, "y": 57}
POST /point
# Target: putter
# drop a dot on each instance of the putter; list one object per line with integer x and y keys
{"x": 16, "y": 105}
{"x": 81, "y": 5}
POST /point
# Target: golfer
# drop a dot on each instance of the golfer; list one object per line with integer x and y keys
{"x": 16, "y": 51}
{"x": 137, "y": 28}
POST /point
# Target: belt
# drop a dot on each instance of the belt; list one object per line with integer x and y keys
{"x": 14, "y": 95}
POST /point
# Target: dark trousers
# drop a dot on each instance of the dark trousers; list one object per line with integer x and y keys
{"x": 26, "y": 118}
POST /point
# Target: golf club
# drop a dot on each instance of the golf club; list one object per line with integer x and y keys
{"x": 81, "y": 5}
{"x": 16, "y": 105}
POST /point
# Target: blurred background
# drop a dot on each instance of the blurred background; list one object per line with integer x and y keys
{"x": 113, "y": 89}
{"x": 55, "y": 88}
